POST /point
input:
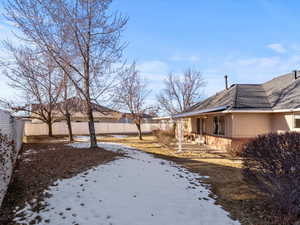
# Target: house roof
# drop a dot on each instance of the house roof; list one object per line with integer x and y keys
{"x": 280, "y": 93}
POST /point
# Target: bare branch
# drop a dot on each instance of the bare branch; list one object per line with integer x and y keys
{"x": 180, "y": 93}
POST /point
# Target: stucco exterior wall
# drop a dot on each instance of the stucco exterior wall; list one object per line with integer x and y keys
{"x": 282, "y": 122}
{"x": 81, "y": 128}
{"x": 249, "y": 125}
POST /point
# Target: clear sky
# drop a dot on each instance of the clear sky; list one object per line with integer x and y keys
{"x": 251, "y": 40}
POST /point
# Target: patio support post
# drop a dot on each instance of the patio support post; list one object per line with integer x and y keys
{"x": 180, "y": 135}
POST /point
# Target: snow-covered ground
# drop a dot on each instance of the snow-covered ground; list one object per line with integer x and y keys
{"x": 135, "y": 190}
{"x": 87, "y": 138}
{"x": 119, "y": 136}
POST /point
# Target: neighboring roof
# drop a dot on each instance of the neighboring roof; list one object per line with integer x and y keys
{"x": 144, "y": 115}
{"x": 76, "y": 104}
{"x": 280, "y": 93}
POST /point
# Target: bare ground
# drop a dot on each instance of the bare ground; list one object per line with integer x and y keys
{"x": 39, "y": 166}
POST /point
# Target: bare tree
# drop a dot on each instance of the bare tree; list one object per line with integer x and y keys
{"x": 35, "y": 76}
{"x": 181, "y": 92}
{"x": 93, "y": 43}
{"x": 131, "y": 94}
{"x": 66, "y": 104}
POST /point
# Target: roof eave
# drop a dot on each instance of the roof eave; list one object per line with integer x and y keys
{"x": 261, "y": 110}
{"x": 199, "y": 112}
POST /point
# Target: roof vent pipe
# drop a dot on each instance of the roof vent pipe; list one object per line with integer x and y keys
{"x": 295, "y": 74}
{"x": 226, "y": 82}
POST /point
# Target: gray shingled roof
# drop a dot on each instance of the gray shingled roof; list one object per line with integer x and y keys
{"x": 282, "y": 92}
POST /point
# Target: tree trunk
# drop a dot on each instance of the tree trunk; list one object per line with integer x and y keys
{"x": 138, "y": 125}
{"x": 50, "y": 134}
{"x": 68, "y": 118}
{"x": 92, "y": 127}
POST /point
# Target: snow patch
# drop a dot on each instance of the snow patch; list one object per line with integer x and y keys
{"x": 135, "y": 190}
{"x": 119, "y": 136}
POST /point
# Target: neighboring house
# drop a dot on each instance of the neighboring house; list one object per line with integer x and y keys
{"x": 76, "y": 109}
{"x": 101, "y": 113}
{"x": 128, "y": 118}
{"x": 107, "y": 121}
{"x": 239, "y": 113}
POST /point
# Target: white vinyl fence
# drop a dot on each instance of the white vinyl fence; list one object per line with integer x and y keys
{"x": 11, "y": 135}
{"x": 81, "y": 128}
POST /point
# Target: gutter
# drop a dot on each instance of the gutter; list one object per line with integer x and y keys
{"x": 163, "y": 118}
{"x": 223, "y": 110}
{"x": 262, "y": 111}
{"x": 194, "y": 113}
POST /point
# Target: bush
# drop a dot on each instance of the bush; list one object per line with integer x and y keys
{"x": 7, "y": 150}
{"x": 7, "y": 153}
{"x": 165, "y": 137}
{"x": 272, "y": 164}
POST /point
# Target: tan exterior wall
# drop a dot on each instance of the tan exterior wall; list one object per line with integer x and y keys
{"x": 282, "y": 122}
{"x": 249, "y": 125}
{"x": 228, "y": 125}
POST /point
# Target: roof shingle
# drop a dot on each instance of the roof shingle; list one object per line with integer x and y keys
{"x": 282, "y": 92}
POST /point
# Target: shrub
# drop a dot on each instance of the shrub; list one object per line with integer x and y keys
{"x": 165, "y": 137}
{"x": 7, "y": 153}
{"x": 272, "y": 164}
{"x": 6, "y": 149}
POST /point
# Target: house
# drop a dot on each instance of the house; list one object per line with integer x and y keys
{"x": 76, "y": 109}
{"x": 232, "y": 117}
{"x": 128, "y": 118}
{"x": 107, "y": 121}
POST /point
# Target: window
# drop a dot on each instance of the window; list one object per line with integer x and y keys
{"x": 219, "y": 125}
{"x": 297, "y": 121}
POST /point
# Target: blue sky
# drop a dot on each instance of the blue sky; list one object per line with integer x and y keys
{"x": 251, "y": 41}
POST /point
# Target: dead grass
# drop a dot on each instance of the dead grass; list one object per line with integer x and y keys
{"x": 149, "y": 144}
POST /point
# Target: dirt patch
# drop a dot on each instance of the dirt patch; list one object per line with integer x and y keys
{"x": 39, "y": 166}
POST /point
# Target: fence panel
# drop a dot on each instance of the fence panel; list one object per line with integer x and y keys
{"x": 81, "y": 128}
